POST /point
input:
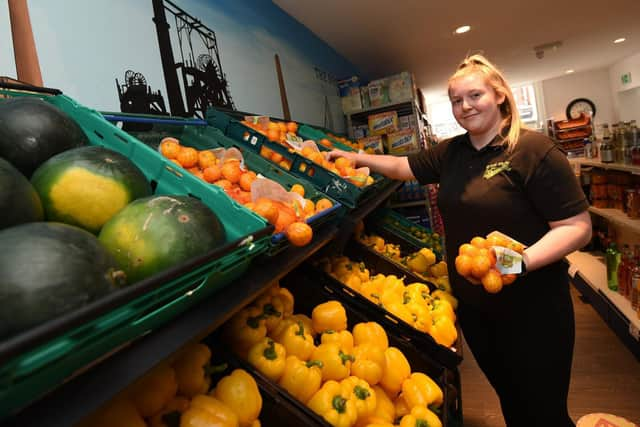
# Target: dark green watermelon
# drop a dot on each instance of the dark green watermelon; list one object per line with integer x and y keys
{"x": 50, "y": 269}
{"x": 19, "y": 202}
{"x": 86, "y": 186}
{"x": 33, "y": 130}
{"x": 155, "y": 233}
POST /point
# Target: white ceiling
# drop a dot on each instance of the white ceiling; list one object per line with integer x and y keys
{"x": 382, "y": 37}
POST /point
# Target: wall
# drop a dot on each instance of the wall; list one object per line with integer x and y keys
{"x": 626, "y": 97}
{"x": 85, "y": 46}
{"x": 591, "y": 84}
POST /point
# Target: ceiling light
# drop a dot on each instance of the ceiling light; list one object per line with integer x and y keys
{"x": 569, "y": 71}
{"x": 620, "y": 40}
{"x": 462, "y": 29}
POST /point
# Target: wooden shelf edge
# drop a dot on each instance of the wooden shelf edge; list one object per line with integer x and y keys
{"x": 612, "y": 166}
{"x": 617, "y": 216}
{"x": 592, "y": 270}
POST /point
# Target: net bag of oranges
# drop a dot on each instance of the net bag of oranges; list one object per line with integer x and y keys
{"x": 493, "y": 261}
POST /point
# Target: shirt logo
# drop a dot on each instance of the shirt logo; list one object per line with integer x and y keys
{"x": 494, "y": 169}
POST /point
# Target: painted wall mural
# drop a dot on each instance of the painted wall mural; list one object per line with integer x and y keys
{"x": 162, "y": 56}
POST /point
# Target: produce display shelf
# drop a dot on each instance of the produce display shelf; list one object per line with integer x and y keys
{"x": 39, "y": 359}
{"x": 90, "y": 389}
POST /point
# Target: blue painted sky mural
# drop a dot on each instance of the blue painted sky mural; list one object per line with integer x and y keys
{"x": 84, "y": 47}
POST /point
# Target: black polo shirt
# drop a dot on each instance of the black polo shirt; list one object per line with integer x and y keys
{"x": 516, "y": 193}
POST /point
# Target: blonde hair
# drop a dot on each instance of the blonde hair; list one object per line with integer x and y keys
{"x": 493, "y": 76}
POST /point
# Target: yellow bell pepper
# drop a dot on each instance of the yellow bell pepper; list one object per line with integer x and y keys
{"x": 417, "y": 262}
{"x": 353, "y": 281}
{"x": 416, "y": 292}
{"x": 285, "y": 297}
{"x": 272, "y": 308}
{"x": 119, "y": 412}
{"x": 268, "y": 357}
{"x": 396, "y": 370}
{"x": 372, "y": 290}
{"x": 362, "y": 272}
{"x": 400, "y": 310}
{"x": 429, "y": 256}
{"x": 278, "y": 332}
{"x": 443, "y": 284}
{"x": 361, "y": 393}
{"x": 342, "y": 267}
{"x": 336, "y": 364}
{"x": 377, "y": 422}
{"x": 332, "y": 404}
{"x": 393, "y": 284}
{"x": 439, "y": 294}
{"x": 344, "y": 339}
{"x": 193, "y": 372}
{"x": 369, "y": 363}
{"x": 330, "y": 315}
{"x": 301, "y": 379}
{"x": 420, "y": 417}
{"x": 401, "y": 406}
{"x": 256, "y": 423}
{"x": 170, "y": 415}
{"x": 444, "y": 331}
{"x": 206, "y": 410}
{"x": 239, "y": 392}
{"x": 297, "y": 341}
{"x": 370, "y": 333}
{"x": 384, "y": 409}
{"x": 392, "y": 251}
{"x": 420, "y": 390}
{"x": 442, "y": 307}
{"x": 421, "y": 316}
{"x": 306, "y": 321}
{"x": 391, "y": 297}
{"x": 154, "y": 390}
{"x": 245, "y": 329}
{"x": 439, "y": 269}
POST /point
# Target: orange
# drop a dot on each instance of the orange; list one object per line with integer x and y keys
{"x": 282, "y": 127}
{"x": 489, "y": 253}
{"x": 307, "y": 151}
{"x": 492, "y": 281}
{"x": 273, "y": 135}
{"x": 188, "y": 157}
{"x": 170, "y": 148}
{"x": 323, "y": 204}
{"x": 266, "y": 209}
{"x": 342, "y": 163}
{"x": 231, "y": 171}
{"x": 508, "y": 279}
{"x": 224, "y": 184}
{"x": 326, "y": 143}
{"x": 276, "y": 157}
{"x": 478, "y": 242}
{"x": 309, "y": 208}
{"x": 292, "y": 127}
{"x": 286, "y": 216}
{"x": 246, "y": 179}
{"x": 250, "y": 205}
{"x": 480, "y": 265}
{"x": 212, "y": 173}
{"x": 274, "y": 126}
{"x": 176, "y": 162}
{"x": 299, "y": 233}
{"x": 206, "y": 159}
{"x": 265, "y": 152}
{"x": 285, "y": 164}
{"x": 316, "y": 157}
{"x": 467, "y": 249}
{"x": 463, "y": 265}
{"x": 297, "y": 188}
{"x": 199, "y": 174}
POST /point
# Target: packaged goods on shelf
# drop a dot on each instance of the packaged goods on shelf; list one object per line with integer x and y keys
{"x": 403, "y": 141}
{"x": 379, "y": 92}
{"x": 360, "y": 131}
{"x": 349, "y": 90}
{"x": 400, "y": 87}
{"x": 383, "y": 123}
{"x": 373, "y": 143}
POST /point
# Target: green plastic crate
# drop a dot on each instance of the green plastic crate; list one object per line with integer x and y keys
{"x": 322, "y": 179}
{"x": 39, "y": 359}
{"x": 208, "y": 137}
{"x": 308, "y": 132}
{"x": 415, "y": 234}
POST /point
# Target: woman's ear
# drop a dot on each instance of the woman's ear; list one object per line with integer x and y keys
{"x": 500, "y": 97}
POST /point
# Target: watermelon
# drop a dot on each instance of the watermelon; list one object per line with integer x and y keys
{"x": 32, "y": 131}
{"x": 19, "y": 202}
{"x": 86, "y": 186}
{"x": 50, "y": 269}
{"x": 158, "y": 232}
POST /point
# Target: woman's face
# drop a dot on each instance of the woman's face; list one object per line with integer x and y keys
{"x": 475, "y": 104}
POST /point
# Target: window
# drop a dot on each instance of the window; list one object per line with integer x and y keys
{"x": 444, "y": 125}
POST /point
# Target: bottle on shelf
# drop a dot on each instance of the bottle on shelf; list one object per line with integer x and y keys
{"x": 635, "y": 144}
{"x": 606, "y": 148}
{"x": 613, "y": 261}
{"x": 635, "y": 281}
{"x": 615, "y": 142}
{"x": 624, "y": 270}
{"x": 625, "y": 143}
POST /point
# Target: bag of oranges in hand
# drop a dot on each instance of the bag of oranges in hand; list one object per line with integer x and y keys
{"x": 493, "y": 261}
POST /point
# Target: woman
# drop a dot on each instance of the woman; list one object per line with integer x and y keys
{"x": 500, "y": 176}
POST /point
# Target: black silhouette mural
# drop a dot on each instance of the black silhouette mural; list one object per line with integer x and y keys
{"x": 198, "y": 75}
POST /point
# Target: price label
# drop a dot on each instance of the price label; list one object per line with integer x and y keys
{"x": 634, "y": 331}
{"x": 573, "y": 269}
{"x": 254, "y": 140}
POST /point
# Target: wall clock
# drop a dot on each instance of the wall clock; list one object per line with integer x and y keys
{"x": 578, "y": 106}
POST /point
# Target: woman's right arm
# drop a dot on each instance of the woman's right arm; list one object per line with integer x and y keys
{"x": 394, "y": 167}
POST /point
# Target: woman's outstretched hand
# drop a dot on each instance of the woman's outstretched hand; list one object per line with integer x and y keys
{"x": 334, "y": 154}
